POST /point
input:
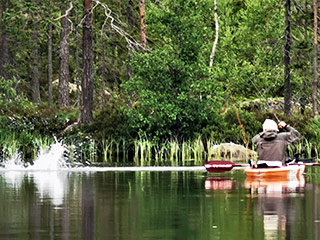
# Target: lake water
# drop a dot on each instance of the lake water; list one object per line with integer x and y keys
{"x": 179, "y": 204}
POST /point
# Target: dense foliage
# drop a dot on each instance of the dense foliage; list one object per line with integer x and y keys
{"x": 176, "y": 94}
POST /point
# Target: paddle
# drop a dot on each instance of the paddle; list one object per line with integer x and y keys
{"x": 222, "y": 166}
{"x": 305, "y": 161}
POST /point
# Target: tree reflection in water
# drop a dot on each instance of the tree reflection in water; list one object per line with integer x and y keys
{"x": 74, "y": 204}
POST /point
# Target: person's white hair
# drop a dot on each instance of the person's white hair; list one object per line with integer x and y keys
{"x": 270, "y": 125}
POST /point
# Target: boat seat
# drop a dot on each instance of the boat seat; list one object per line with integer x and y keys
{"x": 264, "y": 165}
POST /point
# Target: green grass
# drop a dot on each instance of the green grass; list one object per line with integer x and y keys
{"x": 140, "y": 152}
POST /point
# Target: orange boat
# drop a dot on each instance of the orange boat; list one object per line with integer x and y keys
{"x": 289, "y": 171}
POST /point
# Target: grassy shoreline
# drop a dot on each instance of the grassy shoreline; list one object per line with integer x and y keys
{"x": 26, "y": 131}
{"x": 141, "y": 152}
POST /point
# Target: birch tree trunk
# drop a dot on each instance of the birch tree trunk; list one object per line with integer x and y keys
{"x": 50, "y": 101}
{"x": 87, "y": 74}
{"x": 143, "y": 25}
{"x": 64, "y": 61}
{"x": 287, "y": 49}
{"x": 315, "y": 60}
{"x": 214, "y": 47}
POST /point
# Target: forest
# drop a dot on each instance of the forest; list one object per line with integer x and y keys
{"x": 155, "y": 81}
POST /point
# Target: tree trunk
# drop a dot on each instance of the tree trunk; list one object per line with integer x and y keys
{"x": 303, "y": 99}
{"x": 214, "y": 47}
{"x": 4, "y": 48}
{"x": 64, "y": 62}
{"x": 130, "y": 25}
{"x": 87, "y": 74}
{"x": 35, "y": 85}
{"x": 102, "y": 86}
{"x": 130, "y": 15}
{"x": 119, "y": 6}
{"x": 315, "y": 60}
{"x": 287, "y": 46}
{"x": 143, "y": 25}
{"x": 50, "y": 65}
{"x": 4, "y": 55}
{"x": 102, "y": 72}
{"x": 77, "y": 57}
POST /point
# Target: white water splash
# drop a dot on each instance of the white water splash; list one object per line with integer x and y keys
{"x": 44, "y": 172}
{"x": 53, "y": 159}
{"x": 50, "y": 160}
{"x": 50, "y": 171}
{"x": 14, "y": 163}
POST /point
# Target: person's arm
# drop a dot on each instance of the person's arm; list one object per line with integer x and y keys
{"x": 292, "y": 135}
{"x": 255, "y": 139}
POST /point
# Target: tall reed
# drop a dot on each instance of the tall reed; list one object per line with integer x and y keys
{"x": 173, "y": 152}
{"x": 199, "y": 151}
{"x": 159, "y": 153}
{"x": 10, "y": 149}
{"x": 92, "y": 150}
{"x": 305, "y": 149}
{"x": 107, "y": 150}
{"x": 144, "y": 152}
{"x": 41, "y": 143}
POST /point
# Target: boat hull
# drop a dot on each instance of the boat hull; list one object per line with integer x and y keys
{"x": 284, "y": 172}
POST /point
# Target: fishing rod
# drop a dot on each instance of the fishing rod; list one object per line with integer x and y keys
{"x": 216, "y": 166}
{"x": 266, "y": 100}
{"x": 240, "y": 123}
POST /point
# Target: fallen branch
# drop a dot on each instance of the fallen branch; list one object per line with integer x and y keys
{"x": 70, "y": 127}
{"x": 132, "y": 43}
{"x": 66, "y": 15}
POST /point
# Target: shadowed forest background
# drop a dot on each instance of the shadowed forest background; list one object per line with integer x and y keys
{"x": 155, "y": 81}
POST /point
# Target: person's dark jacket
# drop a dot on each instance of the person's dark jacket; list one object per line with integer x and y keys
{"x": 272, "y": 146}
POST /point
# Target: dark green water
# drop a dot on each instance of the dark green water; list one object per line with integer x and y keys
{"x": 156, "y": 205}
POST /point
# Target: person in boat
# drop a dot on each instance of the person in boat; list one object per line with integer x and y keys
{"x": 272, "y": 144}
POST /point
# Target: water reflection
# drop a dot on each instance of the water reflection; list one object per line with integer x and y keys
{"x": 154, "y": 205}
{"x": 270, "y": 198}
{"x": 219, "y": 183}
{"x": 275, "y": 187}
{"x": 274, "y": 196}
{"x": 13, "y": 178}
{"x": 49, "y": 184}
